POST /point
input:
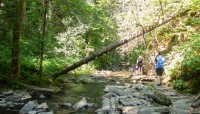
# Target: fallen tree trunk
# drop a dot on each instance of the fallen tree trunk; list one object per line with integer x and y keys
{"x": 114, "y": 45}
{"x": 39, "y": 89}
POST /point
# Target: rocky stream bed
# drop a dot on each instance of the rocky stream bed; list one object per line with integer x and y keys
{"x": 103, "y": 92}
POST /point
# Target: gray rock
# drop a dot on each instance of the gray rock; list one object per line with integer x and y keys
{"x": 129, "y": 110}
{"x": 99, "y": 111}
{"x": 111, "y": 88}
{"x": 3, "y": 101}
{"x": 42, "y": 96}
{"x": 3, "y": 105}
{"x": 182, "y": 104}
{"x": 81, "y": 104}
{"x": 113, "y": 103}
{"x": 43, "y": 106}
{"x": 10, "y": 92}
{"x": 106, "y": 104}
{"x": 162, "y": 109}
{"x": 146, "y": 110}
{"x": 51, "y": 112}
{"x": 2, "y": 96}
{"x": 130, "y": 101}
{"x": 144, "y": 101}
{"x": 180, "y": 111}
{"x": 66, "y": 105}
{"x": 160, "y": 98}
{"x": 109, "y": 95}
{"x": 28, "y": 107}
{"x": 196, "y": 104}
{"x": 181, "y": 107}
{"x": 18, "y": 103}
{"x": 90, "y": 104}
{"x": 33, "y": 112}
{"x": 85, "y": 79}
{"x": 139, "y": 87}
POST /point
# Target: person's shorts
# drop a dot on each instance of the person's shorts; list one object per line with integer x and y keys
{"x": 159, "y": 71}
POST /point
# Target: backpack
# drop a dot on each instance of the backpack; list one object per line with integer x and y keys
{"x": 160, "y": 60}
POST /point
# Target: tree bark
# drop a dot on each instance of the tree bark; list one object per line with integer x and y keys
{"x": 15, "y": 64}
{"x": 42, "y": 37}
{"x": 113, "y": 46}
{"x": 40, "y": 89}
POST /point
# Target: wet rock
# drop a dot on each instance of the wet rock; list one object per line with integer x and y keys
{"x": 90, "y": 104}
{"x": 3, "y": 101}
{"x": 24, "y": 95}
{"x": 119, "y": 90}
{"x": 100, "y": 111}
{"x": 139, "y": 87}
{"x": 42, "y": 96}
{"x": 196, "y": 104}
{"x": 43, "y": 106}
{"x": 85, "y": 79}
{"x": 51, "y": 112}
{"x": 10, "y": 105}
{"x": 67, "y": 105}
{"x": 2, "y": 96}
{"x": 28, "y": 107}
{"x": 33, "y": 112}
{"x": 18, "y": 105}
{"x": 81, "y": 104}
{"x": 3, "y": 105}
{"x": 129, "y": 110}
{"x": 113, "y": 103}
{"x": 109, "y": 95}
{"x": 182, "y": 104}
{"x": 160, "y": 98}
{"x": 162, "y": 110}
{"x": 110, "y": 88}
{"x": 106, "y": 104}
{"x": 15, "y": 97}
{"x": 180, "y": 111}
{"x": 145, "y": 110}
{"x": 10, "y": 92}
{"x": 130, "y": 101}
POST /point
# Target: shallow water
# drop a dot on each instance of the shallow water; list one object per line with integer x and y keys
{"x": 74, "y": 92}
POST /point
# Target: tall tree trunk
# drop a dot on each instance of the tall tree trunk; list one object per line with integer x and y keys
{"x": 113, "y": 46}
{"x": 15, "y": 64}
{"x": 42, "y": 37}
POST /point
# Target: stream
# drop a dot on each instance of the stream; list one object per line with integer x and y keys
{"x": 105, "y": 92}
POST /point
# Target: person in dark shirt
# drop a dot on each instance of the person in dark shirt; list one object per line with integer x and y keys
{"x": 139, "y": 65}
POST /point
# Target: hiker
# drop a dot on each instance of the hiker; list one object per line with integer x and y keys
{"x": 139, "y": 65}
{"x": 159, "y": 60}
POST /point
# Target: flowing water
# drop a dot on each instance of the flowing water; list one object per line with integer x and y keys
{"x": 74, "y": 92}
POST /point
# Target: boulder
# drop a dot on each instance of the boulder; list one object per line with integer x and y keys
{"x": 130, "y": 101}
{"x": 28, "y": 107}
{"x": 81, "y": 104}
{"x": 160, "y": 98}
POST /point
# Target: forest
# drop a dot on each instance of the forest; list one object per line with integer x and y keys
{"x": 43, "y": 42}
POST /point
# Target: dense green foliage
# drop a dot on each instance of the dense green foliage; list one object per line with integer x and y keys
{"x": 186, "y": 70}
{"x": 187, "y": 73}
{"x": 75, "y": 29}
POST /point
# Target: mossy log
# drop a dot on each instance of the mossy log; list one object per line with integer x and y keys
{"x": 35, "y": 88}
